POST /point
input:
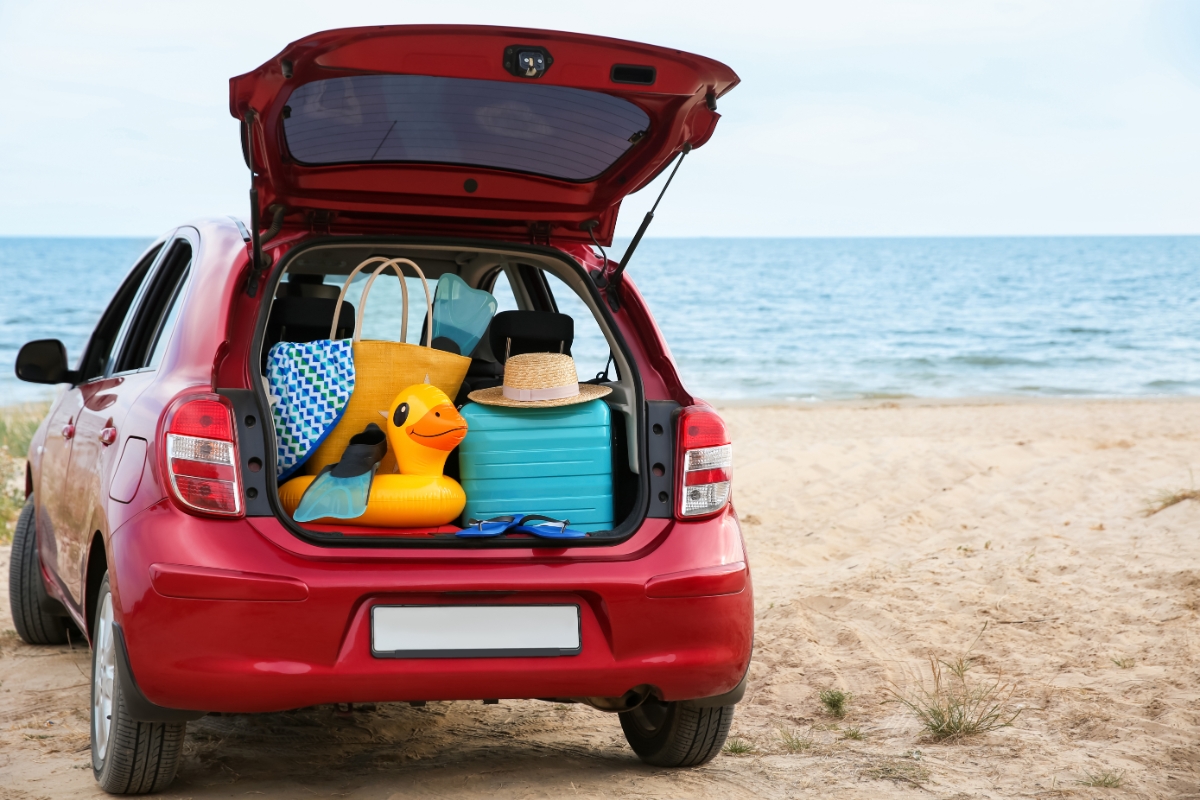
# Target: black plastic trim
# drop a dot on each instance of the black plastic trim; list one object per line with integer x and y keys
{"x": 730, "y": 698}
{"x": 660, "y": 425}
{"x": 447, "y": 541}
{"x": 141, "y": 709}
{"x": 251, "y": 446}
{"x": 635, "y": 74}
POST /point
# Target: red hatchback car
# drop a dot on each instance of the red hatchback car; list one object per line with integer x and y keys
{"x": 497, "y": 155}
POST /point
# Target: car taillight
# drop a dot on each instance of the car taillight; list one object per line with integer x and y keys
{"x": 705, "y": 462}
{"x": 202, "y": 457}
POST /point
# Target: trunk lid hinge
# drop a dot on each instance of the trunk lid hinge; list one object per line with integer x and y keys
{"x": 539, "y": 233}
{"x": 320, "y": 219}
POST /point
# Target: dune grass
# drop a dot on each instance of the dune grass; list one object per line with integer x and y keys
{"x": 738, "y": 747}
{"x": 898, "y": 770}
{"x": 834, "y": 701}
{"x": 794, "y": 741}
{"x": 1165, "y": 500}
{"x": 954, "y": 707}
{"x": 17, "y": 426}
{"x": 1106, "y": 779}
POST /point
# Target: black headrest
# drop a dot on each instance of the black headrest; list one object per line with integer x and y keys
{"x": 514, "y": 332}
{"x": 307, "y": 286}
{"x": 307, "y": 319}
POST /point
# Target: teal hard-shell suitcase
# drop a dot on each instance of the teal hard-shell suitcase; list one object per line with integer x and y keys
{"x": 552, "y": 461}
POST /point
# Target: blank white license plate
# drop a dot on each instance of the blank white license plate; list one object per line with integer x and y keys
{"x": 474, "y": 631}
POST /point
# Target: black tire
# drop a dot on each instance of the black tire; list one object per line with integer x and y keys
{"x": 31, "y": 607}
{"x": 674, "y": 734}
{"x": 135, "y": 757}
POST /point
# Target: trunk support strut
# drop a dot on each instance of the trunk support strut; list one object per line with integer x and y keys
{"x": 259, "y": 261}
{"x": 612, "y": 283}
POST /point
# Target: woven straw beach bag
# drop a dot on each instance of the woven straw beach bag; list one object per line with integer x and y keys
{"x": 382, "y": 369}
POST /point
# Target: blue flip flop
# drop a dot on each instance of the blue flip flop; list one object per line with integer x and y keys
{"x": 487, "y": 528}
{"x": 533, "y": 524}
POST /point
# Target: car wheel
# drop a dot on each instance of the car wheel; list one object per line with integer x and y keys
{"x": 674, "y": 734}
{"x": 26, "y": 593}
{"x": 128, "y": 757}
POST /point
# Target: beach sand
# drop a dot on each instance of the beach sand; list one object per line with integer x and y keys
{"x": 880, "y": 535}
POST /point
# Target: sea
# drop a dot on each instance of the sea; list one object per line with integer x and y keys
{"x": 805, "y": 320}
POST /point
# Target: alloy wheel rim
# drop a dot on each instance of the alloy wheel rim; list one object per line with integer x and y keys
{"x": 104, "y": 671}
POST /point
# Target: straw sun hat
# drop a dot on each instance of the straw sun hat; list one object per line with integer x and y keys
{"x": 539, "y": 380}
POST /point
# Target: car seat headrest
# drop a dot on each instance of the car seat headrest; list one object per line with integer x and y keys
{"x": 298, "y": 285}
{"x": 512, "y": 333}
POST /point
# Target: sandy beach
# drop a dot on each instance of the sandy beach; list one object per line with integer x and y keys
{"x": 1011, "y": 534}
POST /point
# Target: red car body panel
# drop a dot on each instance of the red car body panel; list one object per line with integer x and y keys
{"x": 244, "y": 615}
{"x": 219, "y": 654}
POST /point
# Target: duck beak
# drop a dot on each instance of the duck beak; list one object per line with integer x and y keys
{"x": 442, "y": 428}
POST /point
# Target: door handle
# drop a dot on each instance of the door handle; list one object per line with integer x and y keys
{"x": 68, "y": 431}
{"x": 108, "y": 436}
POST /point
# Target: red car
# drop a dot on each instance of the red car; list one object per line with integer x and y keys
{"x": 499, "y": 155}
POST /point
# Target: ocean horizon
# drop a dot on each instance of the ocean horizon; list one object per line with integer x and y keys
{"x": 807, "y": 319}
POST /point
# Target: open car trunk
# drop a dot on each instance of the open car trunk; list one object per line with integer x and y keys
{"x": 501, "y": 133}
{"x": 524, "y": 279}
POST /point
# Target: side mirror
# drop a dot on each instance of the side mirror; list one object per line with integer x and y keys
{"x": 44, "y": 361}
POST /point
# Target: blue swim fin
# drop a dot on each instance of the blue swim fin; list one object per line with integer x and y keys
{"x": 335, "y": 498}
{"x": 341, "y": 490}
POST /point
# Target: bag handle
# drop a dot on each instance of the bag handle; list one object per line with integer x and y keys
{"x": 346, "y": 287}
{"x": 394, "y": 264}
{"x": 384, "y": 263}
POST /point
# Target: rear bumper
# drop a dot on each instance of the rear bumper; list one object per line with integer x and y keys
{"x": 226, "y": 616}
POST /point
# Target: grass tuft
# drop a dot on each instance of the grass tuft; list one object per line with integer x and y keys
{"x": 955, "y": 707}
{"x": 794, "y": 741}
{"x": 853, "y": 733}
{"x": 898, "y": 770}
{"x": 1164, "y": 500}
{"x": 738, "y": 747}
{"x": 835, "y": 701}
{"x": 1104, "y": 780}
{"x": 1124, "y": 663}
{"x": 17, "y": 426}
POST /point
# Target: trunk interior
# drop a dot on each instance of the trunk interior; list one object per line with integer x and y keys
{"x": 574, "y": 461}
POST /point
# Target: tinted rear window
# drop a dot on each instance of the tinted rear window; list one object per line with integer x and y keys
{"x": 555, "y": 131}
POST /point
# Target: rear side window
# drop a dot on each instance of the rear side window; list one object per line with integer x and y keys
{"x": 155, "y": 310}
{"x": 94, "y": 362}
{"x": 590, "y": 349}
{"x": 168, "y": 324}
{"x": 556, "y": 131}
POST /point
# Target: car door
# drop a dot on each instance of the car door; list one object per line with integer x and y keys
{"x": 107, "y": 400}
{"x": 56, "y": 506}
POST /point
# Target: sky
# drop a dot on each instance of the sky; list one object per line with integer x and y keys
{"x": 858, "y": 118}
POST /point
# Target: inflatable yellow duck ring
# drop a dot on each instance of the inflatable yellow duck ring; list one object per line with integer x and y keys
{"x": 422, "y": 428}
